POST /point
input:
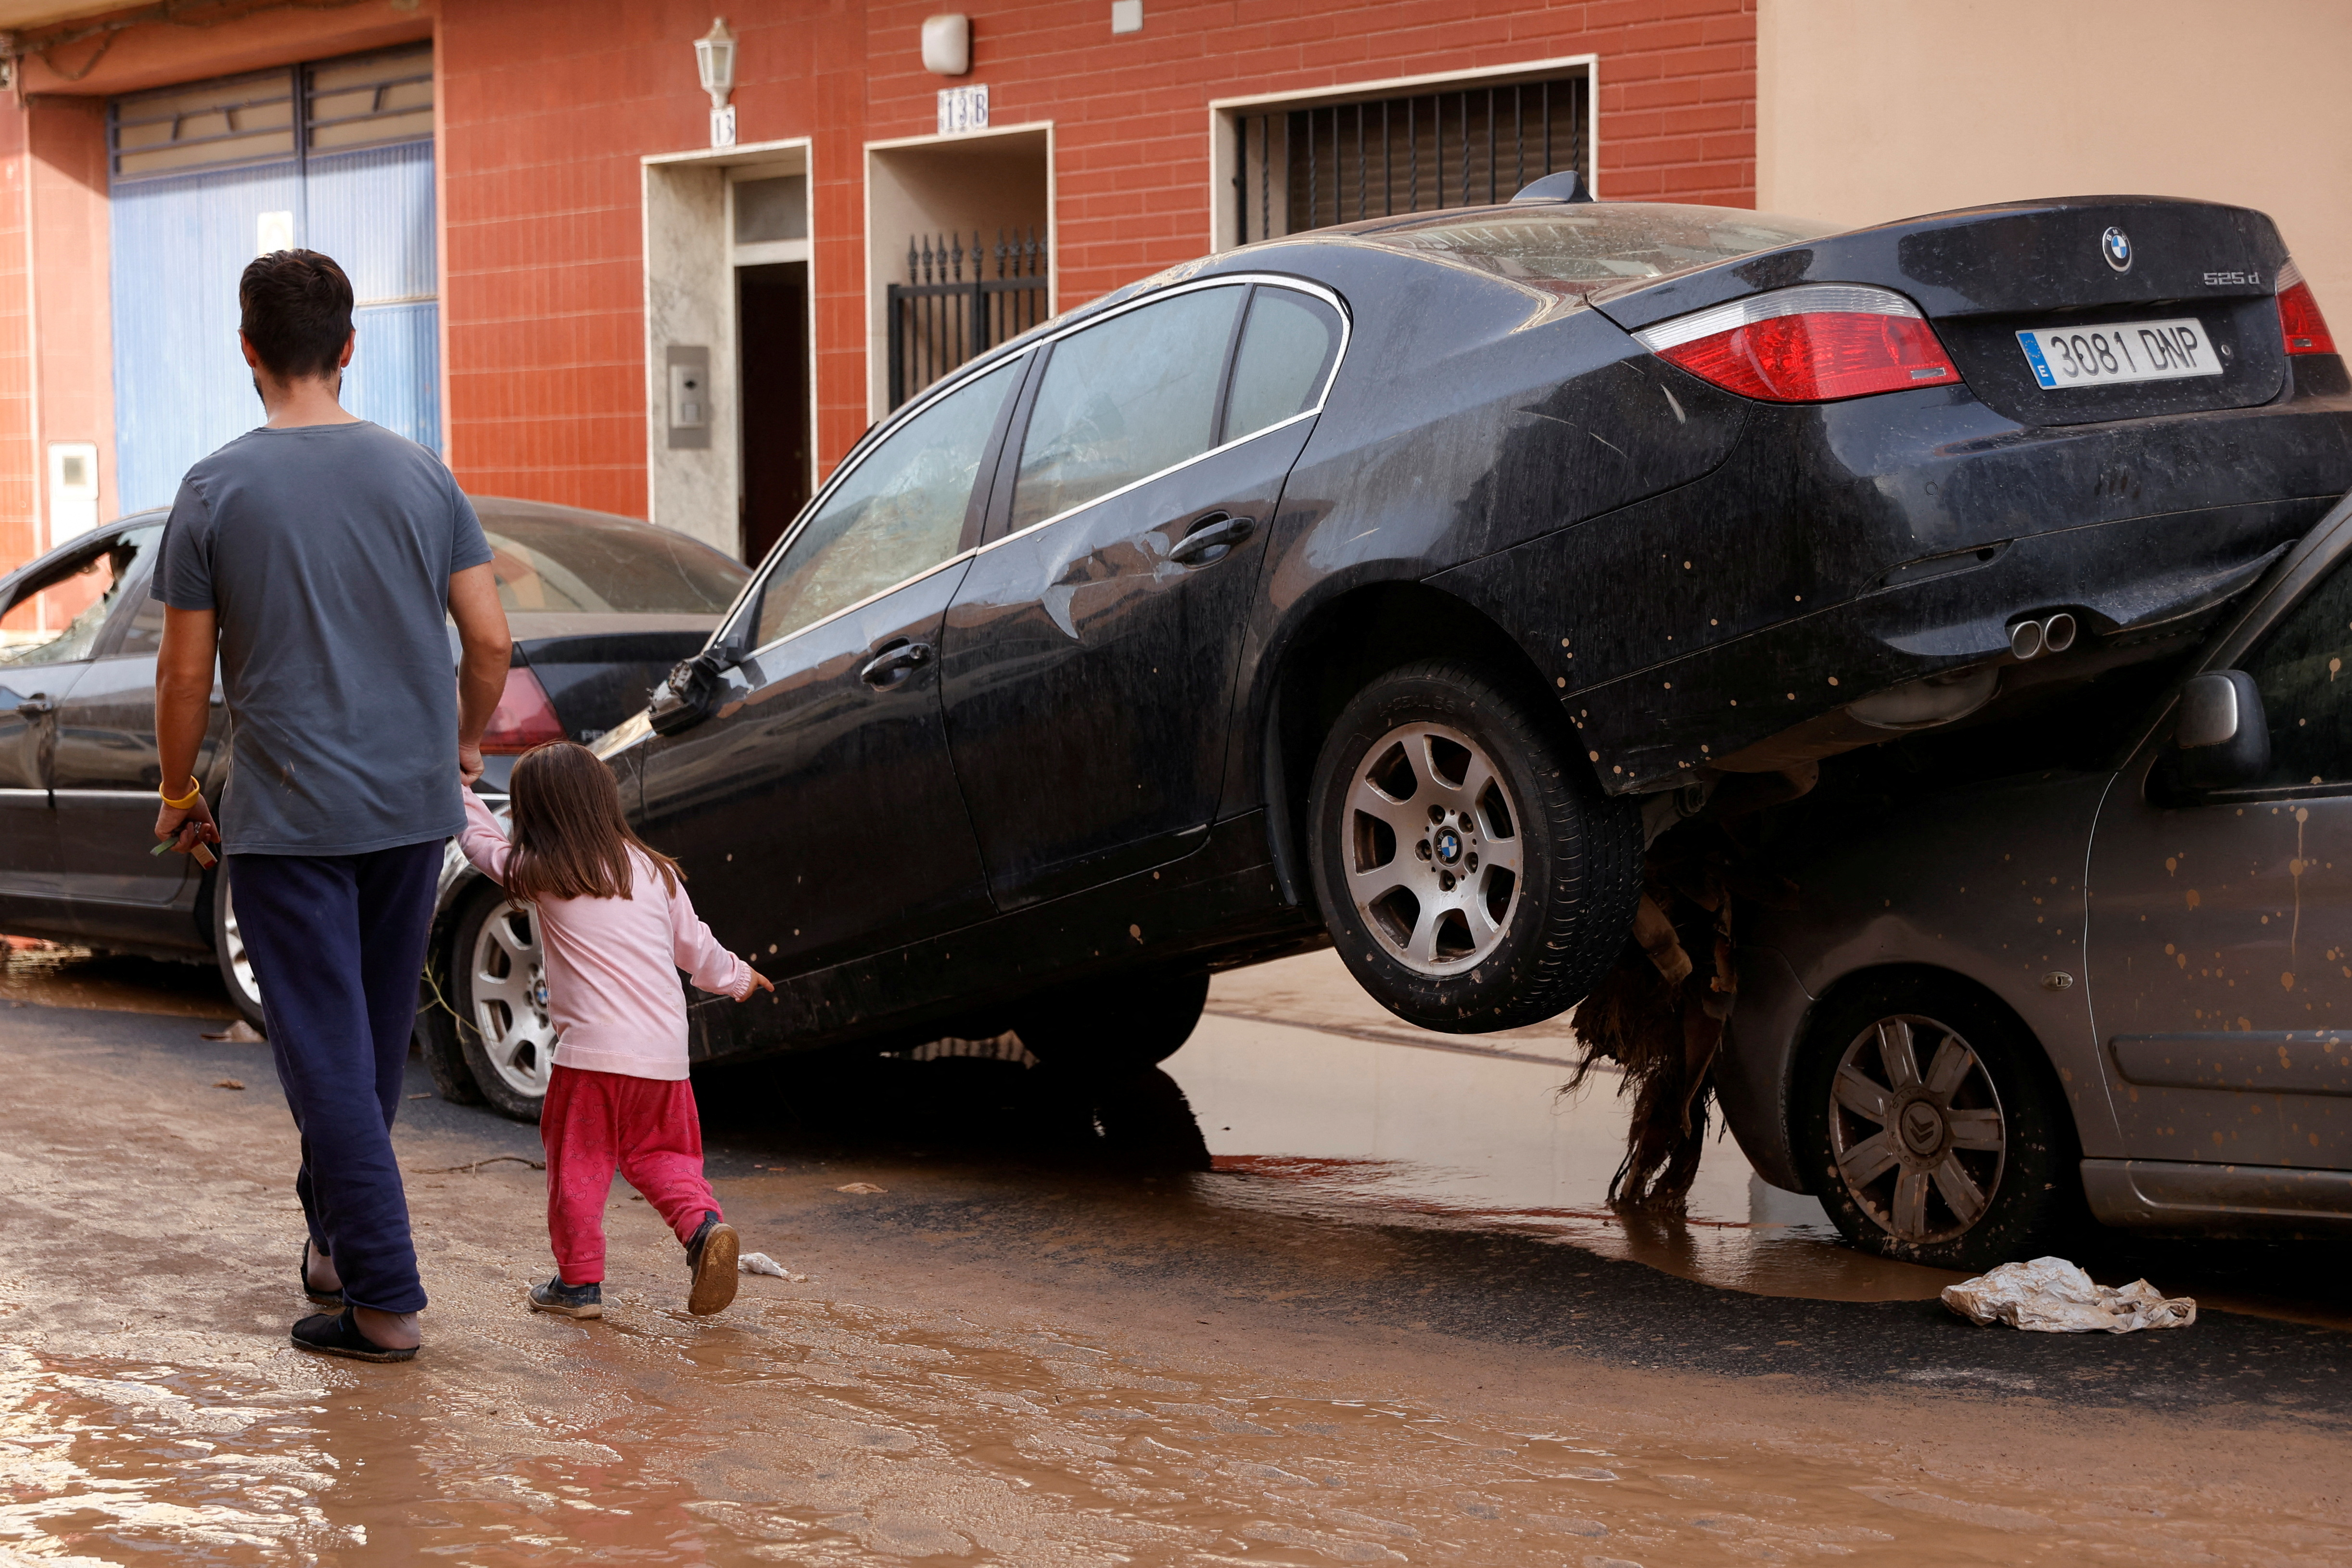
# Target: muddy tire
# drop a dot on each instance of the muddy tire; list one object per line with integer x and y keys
{"x": 1117, "y": 1027}
{"x": 1472, "y": 874}
{"x": 498, "y": 988}
{"x": 230, "y": 955}
{"x": 1929, "y": 1123}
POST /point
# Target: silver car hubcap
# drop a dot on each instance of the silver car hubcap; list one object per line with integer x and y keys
{"x": 1920, "y": 1148}
{"x": 240, "y": 963}
{"x": 1432, "y": 848}
{"x": 510, "y": 996}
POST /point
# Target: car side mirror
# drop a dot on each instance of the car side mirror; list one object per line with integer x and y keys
{"x": 2224, "y": 739}
{"x": 690, "y": 693}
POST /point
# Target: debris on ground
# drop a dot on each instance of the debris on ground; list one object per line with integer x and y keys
{"x": 228, "y": 1083}
{"x": 240, "y": 1032}
{"x": 761, "y": 1263}
{"x": 1659, "y": 1016}
{"x": 495, "y": 1159}
{"x": 2051, "y": 1296}
{"x": 859, "y": 1187}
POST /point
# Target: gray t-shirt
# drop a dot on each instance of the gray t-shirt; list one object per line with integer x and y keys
{"x": 326, "y": 552}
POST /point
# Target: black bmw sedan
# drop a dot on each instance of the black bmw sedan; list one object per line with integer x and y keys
{"x": 1376, "y": 585}
{"x": 600, "y": 606}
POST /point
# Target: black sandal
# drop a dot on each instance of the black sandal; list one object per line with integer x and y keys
{"x": 324, "y": 1298}
{"x": 338, "y": 1334}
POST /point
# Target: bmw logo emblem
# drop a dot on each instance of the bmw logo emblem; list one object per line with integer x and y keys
{"x": 2115, "y": 246}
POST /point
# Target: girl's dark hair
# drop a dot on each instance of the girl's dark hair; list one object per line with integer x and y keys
{"x": 296, "y": 311}
{"x": 571, "y": 840}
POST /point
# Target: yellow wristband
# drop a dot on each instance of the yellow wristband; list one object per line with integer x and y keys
{"x": 196, "y": 793}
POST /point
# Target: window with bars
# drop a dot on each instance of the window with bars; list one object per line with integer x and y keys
{"x": 333, "y": 106}
{"x": 1297, "y": 169}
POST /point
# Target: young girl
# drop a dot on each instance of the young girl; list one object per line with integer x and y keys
{"x": 616, "y": 927}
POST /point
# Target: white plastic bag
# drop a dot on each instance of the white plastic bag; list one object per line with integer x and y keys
{"x": 2051, "y": 1296}
{"x": 761, "y": 1263}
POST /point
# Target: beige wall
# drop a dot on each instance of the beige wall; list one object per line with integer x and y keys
{"x": 1871, "y": 109}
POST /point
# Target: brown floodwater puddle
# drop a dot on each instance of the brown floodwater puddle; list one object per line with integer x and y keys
{"x": 804, "y": 1431}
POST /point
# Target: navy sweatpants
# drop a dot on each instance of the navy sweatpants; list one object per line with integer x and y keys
{"x": 337, "y": 943}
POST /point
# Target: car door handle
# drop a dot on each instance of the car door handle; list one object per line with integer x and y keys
{"x": 1211, "y": 539}
{"x": 893, "y": 665}
{"x": 36, "y": 705}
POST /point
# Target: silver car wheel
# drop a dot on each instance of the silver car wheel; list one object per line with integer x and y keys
{"x": 509, "y": 997}
{"x": 239, "y": 962}
{"x": 1920, "y": 1148}
{"x": 1432, "y": 848}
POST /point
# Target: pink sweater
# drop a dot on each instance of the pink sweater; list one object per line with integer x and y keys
{"x": 612, "y": 963}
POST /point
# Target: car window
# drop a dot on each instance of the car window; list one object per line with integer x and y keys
{"x": 56, "y": 618}
{"x": 580, "y": 561}
{"x": 1287, "y": 346}
{"x": 142, "y": 620}
{"x": 1129, "y": 397}
{"x": 900, "y": 513}
{"x": 1579, "y": 247}
{"x": 2304, "y": 667}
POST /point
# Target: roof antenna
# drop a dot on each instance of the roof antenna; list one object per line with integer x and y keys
{"x": 1566, "y": 185}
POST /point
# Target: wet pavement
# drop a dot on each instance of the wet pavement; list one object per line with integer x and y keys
{"x": 1394, "y": 1322}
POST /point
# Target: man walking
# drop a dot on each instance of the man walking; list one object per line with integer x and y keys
{"x": 316, "y": 556}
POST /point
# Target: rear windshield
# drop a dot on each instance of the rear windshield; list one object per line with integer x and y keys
{"x": 585, "y": 563}
{"x": 1579, "y": 247}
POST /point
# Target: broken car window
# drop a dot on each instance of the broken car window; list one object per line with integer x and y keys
{"x": 900, "y": 513}
{"x": 1287, "y": 351}
{"x": 1122, "y": 400}
{"x": 57, "y": 620}
{"x": 1579, "y": 246}
{"x": 2304, "y": 669}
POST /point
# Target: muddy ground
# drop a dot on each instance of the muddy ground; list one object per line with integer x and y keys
{"x": 1394, "y": 1324}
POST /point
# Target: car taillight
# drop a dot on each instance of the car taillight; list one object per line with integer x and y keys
{"x": 525, "y": 717}
{"x": 1807, "y": 344}
{"x": 2300, "y": 322}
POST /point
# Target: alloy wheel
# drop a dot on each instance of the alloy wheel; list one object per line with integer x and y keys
{"x": 1920, "y": 1148}
{"x": 238, "y": 962}
{"x": 1431, "y": 851}
{"x": 509, "y": 999}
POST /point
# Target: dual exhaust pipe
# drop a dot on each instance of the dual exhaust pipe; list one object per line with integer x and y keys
{"x": 2052, "y": 633}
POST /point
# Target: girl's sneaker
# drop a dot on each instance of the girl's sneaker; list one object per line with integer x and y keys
{"x": 711, "y": 1256}
{"x": 568, "y": 1300}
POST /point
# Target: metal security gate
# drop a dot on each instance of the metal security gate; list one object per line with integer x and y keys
{"x": 335, "y": 156}
{"x": 1335, "y": 163}
{"x": 940, "y": 317}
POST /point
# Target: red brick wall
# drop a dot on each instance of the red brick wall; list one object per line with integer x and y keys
{"x": 18, "y": 539}
{"x": 547, "y": 106}
{"x": 75, "y": 338}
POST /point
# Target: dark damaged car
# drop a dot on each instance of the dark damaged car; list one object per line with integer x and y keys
{"x": 1367, "y": 583}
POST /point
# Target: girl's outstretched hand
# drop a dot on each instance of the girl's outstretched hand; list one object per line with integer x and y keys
{"x": 759, "y": 983}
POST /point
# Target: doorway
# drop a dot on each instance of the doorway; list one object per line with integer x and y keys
{"x": 730, "y": 396}
{"x": 771, "y": 356}
{"x": 959, "y": 251}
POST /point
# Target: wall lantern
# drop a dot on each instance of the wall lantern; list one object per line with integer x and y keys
{"x": 947, "y": 44}
{"x": 714, "y": 57}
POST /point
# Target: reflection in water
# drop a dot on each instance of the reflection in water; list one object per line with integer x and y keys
{"x": 816, "y": 1433}
{"x": 1477, "y": 1134}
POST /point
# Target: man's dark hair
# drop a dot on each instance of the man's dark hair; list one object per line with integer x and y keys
{"x": 297, "y": 308}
